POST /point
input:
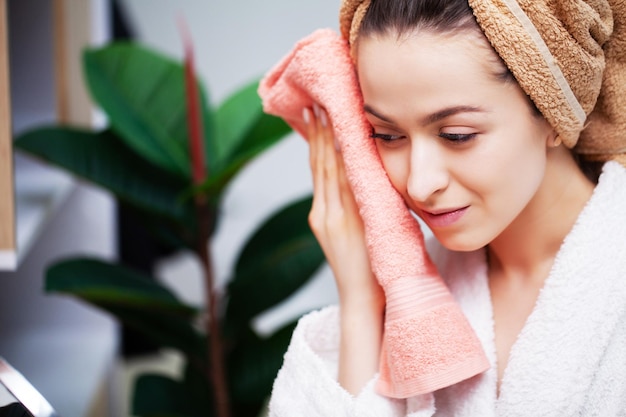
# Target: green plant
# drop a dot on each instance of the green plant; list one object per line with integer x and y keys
{"x": 144, "y": 160}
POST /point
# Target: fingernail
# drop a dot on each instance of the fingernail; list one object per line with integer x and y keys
{"x": 316, "y": 109}
{"x": 323, "y": 118}
{"x": 306, "y": 115}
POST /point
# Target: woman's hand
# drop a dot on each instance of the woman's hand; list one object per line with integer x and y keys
{"x": 337, "y": 225}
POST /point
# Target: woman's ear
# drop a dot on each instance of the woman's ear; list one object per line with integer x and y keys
{"x": 554, "y": 140}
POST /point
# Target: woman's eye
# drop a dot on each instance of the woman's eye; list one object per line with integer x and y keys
{"x": 385, "y": 137}
{"x": 457, "y": 137}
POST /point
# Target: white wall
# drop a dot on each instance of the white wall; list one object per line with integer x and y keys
{"x": 236, "y": 41}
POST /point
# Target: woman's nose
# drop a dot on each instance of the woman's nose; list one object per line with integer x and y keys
{"x": 428, "y": 174}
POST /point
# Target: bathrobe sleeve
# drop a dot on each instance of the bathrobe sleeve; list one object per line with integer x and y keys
{"x": 307, "y": 386}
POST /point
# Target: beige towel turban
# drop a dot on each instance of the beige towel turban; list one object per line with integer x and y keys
{"x": 569, "y": 56}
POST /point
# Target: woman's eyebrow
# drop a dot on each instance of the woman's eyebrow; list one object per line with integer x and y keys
{"x": 431, "y": 118}
{"x": 451, "y": 111}
{"x": 370, "y": 110}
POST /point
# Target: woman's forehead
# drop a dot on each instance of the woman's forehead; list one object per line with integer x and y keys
{"x": 425, "y": 73}
{"x": 424, "y": 49}
{"x": 464, "y": 51}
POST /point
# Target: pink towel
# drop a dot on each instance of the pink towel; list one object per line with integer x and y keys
{"x": 428, "y": 343}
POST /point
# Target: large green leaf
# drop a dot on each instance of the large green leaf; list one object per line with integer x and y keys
{"x": 143, "y": 94}
{"x": 160, "y": 396}
{"x": 234, "y": 118}
{"x": 199, "y": 390}
{"x": 280, "y": 257}
{"x": 133, "y": 298}
{"x": 242, "y": 131}
{"x": 163, "y": 329}
{"x": 101, "y": 158}
{"x": 263, "y": 133}
{"x": 253, "y": 366}
{"x": 103, "y": 282}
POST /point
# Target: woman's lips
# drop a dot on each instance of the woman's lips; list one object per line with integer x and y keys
{"x": 443, "y": 218}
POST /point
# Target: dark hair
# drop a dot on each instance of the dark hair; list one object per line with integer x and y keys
{"x": 592, "y": 169}
{"x": 403, "y": 16}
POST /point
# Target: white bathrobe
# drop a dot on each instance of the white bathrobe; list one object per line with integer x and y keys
{"x": 568, "y": 360}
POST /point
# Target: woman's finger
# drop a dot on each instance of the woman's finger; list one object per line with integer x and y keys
{"x": 332, "y": 186}
{"x": 307, "y": 116}
{"x": 317, "y": 215}
{"x": 347, "y": 196}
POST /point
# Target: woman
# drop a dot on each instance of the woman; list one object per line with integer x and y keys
{"x": 491, "y": 171}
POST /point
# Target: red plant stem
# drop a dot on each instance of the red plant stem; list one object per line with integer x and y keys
{"x": 215, "y": 351}
{"x": 194, "y": 116}
{"x": 212, "y": 325}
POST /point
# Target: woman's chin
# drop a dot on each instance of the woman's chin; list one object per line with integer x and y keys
{"x": 460, "y": 243}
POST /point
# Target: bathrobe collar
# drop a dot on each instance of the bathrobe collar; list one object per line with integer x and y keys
{"x": 552, "y": 363}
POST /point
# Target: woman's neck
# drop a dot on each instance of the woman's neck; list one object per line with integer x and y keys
{"x": 526, "y": 249}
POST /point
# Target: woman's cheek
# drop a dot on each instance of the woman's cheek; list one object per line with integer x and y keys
{"x": 397, "y": 168}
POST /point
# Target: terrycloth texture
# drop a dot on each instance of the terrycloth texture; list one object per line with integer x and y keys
{"x": 569, "y": 359}
{"x": 314, "y": 349}
{"x": 569, "y": 56}
{"x": 351, "y": 15}
{"x": 427, "y": 343}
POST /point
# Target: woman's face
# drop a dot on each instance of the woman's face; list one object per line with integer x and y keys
{"x": 461, "y": 145}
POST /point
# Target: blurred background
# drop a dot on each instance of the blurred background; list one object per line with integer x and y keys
{"x": 78, "y": 357}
